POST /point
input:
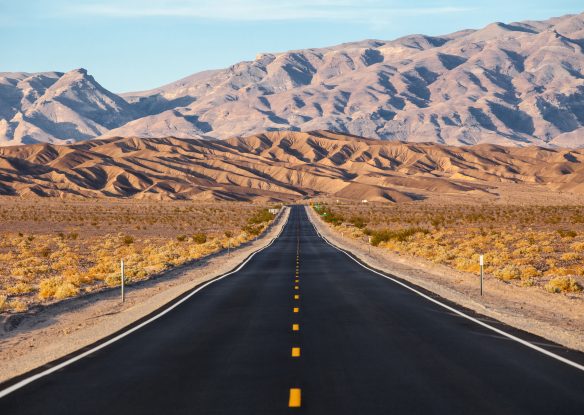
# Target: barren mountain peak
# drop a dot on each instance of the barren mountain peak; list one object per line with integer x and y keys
{"x": 516, "y": 83}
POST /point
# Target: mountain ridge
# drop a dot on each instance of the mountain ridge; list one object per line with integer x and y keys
{"x": 283, "y": 166}
{"x": 514, "y": 84}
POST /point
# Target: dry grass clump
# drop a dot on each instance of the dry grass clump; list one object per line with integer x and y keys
{"x": 59, "y": 260}
{"x": 563, "y": 284}
{"x": 522, "y": 245}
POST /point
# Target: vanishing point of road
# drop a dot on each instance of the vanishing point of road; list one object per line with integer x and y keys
{"x": 303, "y": 328}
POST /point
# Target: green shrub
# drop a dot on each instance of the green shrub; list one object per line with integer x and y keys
{"x": 328, "y": 215}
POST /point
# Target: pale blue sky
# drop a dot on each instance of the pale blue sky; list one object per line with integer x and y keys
{"x": 133, "y": 45}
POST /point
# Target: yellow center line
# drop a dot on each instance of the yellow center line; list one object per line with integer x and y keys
{"x": 295, "y": 327}
{"x": 296, "y": 287}
{"x": 296, "y": 297}
{"x": 296, "y": 352}
{"x": 295, "y": 398}
{"x": 295, "y": 309}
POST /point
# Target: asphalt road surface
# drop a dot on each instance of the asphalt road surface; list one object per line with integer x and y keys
{"x": 332, "y": 338}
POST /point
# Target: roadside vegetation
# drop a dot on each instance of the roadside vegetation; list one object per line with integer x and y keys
{"x": 52, "y": 250}
{"x": 529, "y": 246}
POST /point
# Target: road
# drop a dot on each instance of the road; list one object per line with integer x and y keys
{"x": 364, "y": 345}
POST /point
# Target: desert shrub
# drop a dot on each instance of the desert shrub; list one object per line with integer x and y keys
{"x": 127, "y": 240}
{"x": 252, "y": 229}
{"x": 65, "y": 290}
{"x": 48, "y": 287}
{"x": 18, "y": 306}
{"x": 75, "y": 277}
{"x": 113, "y": 280}
{"x": 508, "y": 273}
{"x": 328, "y": 215}
{"x": 567, "y": 233}
{"x": 19, "y": 288}
{"x": 199, "y": 238}
{"x": 358, "y": 222}
{"x": 262, "y": 216}
{"x": 401, "y": 235}
{"x": 467, "y": 265}
{"x": 578, "y": 246}
{"x": 563, "y": 284}
{"x": 528, "y": 272}
{"x": 570, "y": 256}
{"x": 181, "y": 238}
{"x": 57, "y": 287}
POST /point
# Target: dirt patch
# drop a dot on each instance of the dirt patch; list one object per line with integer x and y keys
{"x": 33, "y": 339}
{"x": 556, "y": 317}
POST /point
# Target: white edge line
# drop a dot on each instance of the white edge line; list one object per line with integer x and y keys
{"x": 460, "y": 313}
{"x": 74, "y": 359}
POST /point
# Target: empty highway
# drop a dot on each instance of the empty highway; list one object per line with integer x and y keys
{"x": 303, "y": 328}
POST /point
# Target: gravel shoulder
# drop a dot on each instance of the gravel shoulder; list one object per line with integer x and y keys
{"x": 556, "y": 317}
{"x": 41, "y": 336}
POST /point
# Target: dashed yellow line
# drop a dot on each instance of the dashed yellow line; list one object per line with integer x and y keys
{"x": 295, "y": 398}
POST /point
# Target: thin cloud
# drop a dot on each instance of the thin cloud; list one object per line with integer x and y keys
{"x": 254, "y": 10}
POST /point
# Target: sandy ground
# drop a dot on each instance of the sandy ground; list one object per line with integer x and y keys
{"x": 34, "y": 339}
{"x": 556, "y": 317}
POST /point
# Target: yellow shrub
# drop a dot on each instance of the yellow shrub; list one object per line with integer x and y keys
{"x": 48, "y": 287}
{"x": 19, "y": 288}
{"x": 6, "y": 257}
{"x": 65, "y": 290}
{"x": 113, "y": 280}
{"x": 466, "y": 265}
{"x": 17, "y": 305}
{"x": 510, "y": 272}
{"x": 578, "y": 246}
{"x": 3, "y": 302}
{"x": 75, "y": 276}
{"x": 563, "y": 284}
{"x": 557, "y": 271}
{"x": 570, "y": 256}
{"x": 528, "y": 272}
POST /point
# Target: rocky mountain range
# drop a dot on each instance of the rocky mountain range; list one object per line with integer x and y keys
{"x": 287, "y": 166}
{"x": 512, "y": 84}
